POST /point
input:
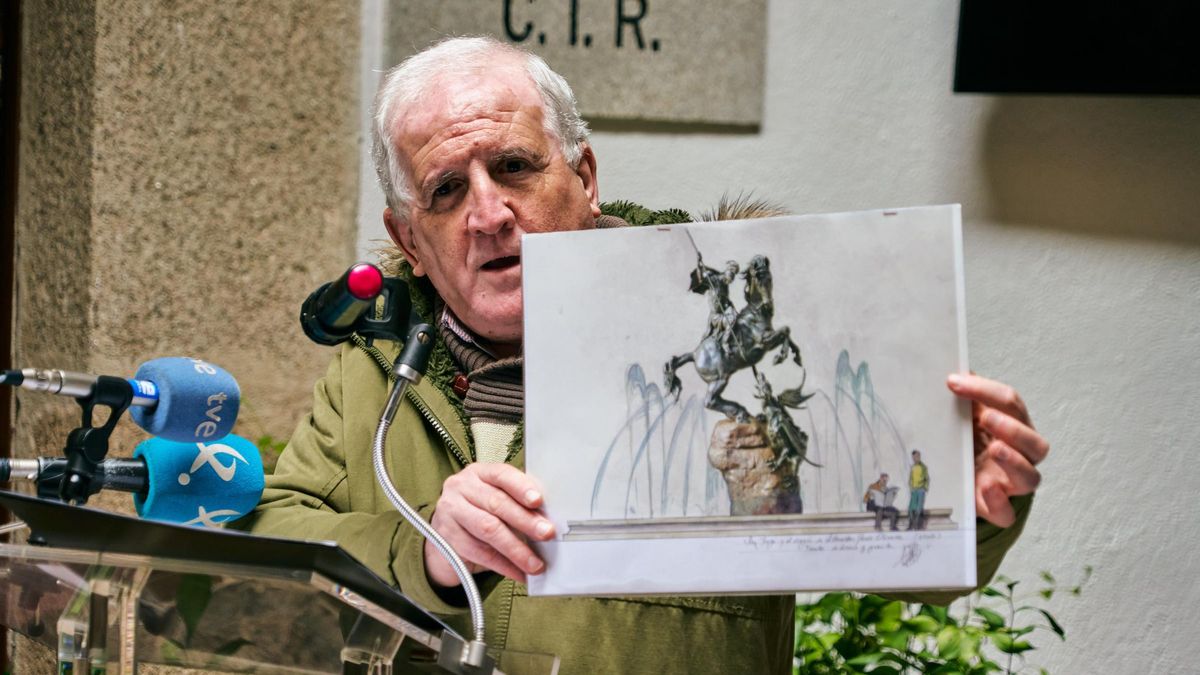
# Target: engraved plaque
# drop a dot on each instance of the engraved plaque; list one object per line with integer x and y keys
{"x": 698, "y": 61}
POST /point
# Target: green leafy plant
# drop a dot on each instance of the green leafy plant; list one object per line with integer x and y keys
{"x": 270, "y": 448}
{"x": 251, "y": 425}
{"x": 988, "y": 633}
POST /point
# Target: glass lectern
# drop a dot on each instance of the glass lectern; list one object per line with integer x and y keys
{"x": 107, "y": 592}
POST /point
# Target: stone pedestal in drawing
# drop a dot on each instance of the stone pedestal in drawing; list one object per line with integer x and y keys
{"x": 743, "y": 455}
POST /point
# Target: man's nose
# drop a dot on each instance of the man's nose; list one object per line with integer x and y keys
{"x": 490, "y": 208}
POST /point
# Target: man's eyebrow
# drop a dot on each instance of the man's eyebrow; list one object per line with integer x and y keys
{"x": 434, "y": 181}
{"x": 519, "y": 152}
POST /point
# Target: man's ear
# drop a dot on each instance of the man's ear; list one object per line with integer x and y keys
{"x": 400, "y": 231}
{"x": 587, "y": 174}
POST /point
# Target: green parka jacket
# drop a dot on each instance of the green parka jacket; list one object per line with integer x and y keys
{"x": 324, "y": 488}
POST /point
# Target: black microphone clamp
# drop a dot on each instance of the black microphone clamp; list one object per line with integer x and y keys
{"x": 362, "y": 301}
{"x": 87, "y": 445}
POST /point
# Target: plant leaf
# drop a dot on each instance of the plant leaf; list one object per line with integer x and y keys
{"x": 949, "y": 642}
{"x": 922, "y": 624}
{"x": 897, "y": 640}
{"x": 231, "y": 647}
{"x": 1016, "y": 647}
{"x": 942, "y": 614}
{"x": 1054, "y": 626}
{"x": 992, "y": 617}
{"x": 171, "y": 652}
{"x": 191, "y": 599}
{"x": 865, "y": 659}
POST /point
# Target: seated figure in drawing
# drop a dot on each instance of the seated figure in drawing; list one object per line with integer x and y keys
{"x": 879, "y": 498}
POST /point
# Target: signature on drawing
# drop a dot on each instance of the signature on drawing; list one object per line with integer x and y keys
{"x": 910, "y": 554}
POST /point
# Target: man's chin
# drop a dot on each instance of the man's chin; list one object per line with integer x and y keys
{"x": 498, "y": 327}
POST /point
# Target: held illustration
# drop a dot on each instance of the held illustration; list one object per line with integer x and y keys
{"x": 750, "y": 406}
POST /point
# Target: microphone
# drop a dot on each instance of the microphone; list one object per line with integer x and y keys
{"x": 178, "y": 398}
{"x": 202, "y": 484}
{"x": 185, "y": 483}
{"x": 330, "y": 314}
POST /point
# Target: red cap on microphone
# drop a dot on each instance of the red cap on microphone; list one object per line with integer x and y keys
{"x": 364, "y": 281}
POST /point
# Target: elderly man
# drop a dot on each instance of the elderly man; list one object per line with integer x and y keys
{"x": 478, "y": 143}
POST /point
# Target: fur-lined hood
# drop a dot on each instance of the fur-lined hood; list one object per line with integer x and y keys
{"x": 742, "y": 207}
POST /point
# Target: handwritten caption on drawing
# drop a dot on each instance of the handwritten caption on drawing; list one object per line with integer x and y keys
{"x": 905, "y": 547}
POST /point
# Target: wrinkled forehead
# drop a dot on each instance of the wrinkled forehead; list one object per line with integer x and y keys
{"x": 468, "y": 94}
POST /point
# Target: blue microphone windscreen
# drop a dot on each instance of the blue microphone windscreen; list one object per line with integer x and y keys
{"x": 201, "y": 484}
{"x": 197, "y": 401}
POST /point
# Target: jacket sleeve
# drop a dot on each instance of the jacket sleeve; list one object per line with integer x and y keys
{"x": 309, "y": 497}
{"x": 991, "y": 543}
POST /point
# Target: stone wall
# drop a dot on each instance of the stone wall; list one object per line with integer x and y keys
{"x": 188, "y": 173}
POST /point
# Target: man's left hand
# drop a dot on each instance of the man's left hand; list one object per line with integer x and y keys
{"x": 1007, "y": 448}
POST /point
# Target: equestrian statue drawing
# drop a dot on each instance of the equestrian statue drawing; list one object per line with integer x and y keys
{"x": 735, "y": 339}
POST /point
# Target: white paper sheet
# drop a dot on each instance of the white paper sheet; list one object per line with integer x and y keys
{"x": 874, "y": 302}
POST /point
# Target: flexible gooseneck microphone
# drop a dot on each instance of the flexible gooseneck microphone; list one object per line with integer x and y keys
{"x": 201, "y": 484}
{"x": 178, "y": 398}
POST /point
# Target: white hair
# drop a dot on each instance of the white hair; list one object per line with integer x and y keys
{"x": 411, "y": 81}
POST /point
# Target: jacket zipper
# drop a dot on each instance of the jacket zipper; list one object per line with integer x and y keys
{"x": 414, "y": 399}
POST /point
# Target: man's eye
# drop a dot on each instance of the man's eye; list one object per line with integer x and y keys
{"x": 514, "y": 165}
{"x": 444, "y": 189}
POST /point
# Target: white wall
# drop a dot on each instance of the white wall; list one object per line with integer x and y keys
{"x": 1083, "y": 280}
{"x": 1082, "y": 240}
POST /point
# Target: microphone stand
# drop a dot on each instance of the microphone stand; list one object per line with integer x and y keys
{"x": 88, "y": 445}
{"x": 410, "y": 366}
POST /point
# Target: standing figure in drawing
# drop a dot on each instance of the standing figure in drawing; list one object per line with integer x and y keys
{"x": 918, "y": 484}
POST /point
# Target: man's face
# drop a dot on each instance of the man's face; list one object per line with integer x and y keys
{"x": 916, "y": 456}
{"x": 483, "y": 173}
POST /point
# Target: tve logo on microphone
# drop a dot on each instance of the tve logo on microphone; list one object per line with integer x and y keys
{"x": 208, "y": 455}
{"x": 208, "y": 427}
{"x": 205, "y": 483}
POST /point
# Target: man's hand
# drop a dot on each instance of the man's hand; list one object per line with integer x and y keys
{"x": 1007, "y": 449}
{"x": 485, "y": 513}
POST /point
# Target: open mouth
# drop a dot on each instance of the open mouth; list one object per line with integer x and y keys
{"x": 502, "y": 263}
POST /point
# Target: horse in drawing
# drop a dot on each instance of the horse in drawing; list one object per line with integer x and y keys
{"x": 735, "y": 339}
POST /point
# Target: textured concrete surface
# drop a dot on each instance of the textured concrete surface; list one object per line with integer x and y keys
{"x": 188, "y": 176}
{"x": 680, "y": 60}
{"x": 53, "y": 296}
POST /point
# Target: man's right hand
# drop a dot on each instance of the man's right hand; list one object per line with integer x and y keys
{"x": 485, "y": 513}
